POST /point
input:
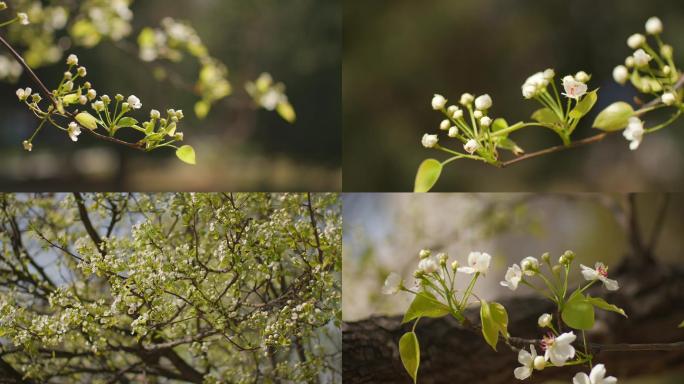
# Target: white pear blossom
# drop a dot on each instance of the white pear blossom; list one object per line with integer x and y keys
{"x": 134, "y": 102}
{"x": 429, "y": 141}
{"x": 529, "y": 265}
{"x": 599, "y": 272}
{"x": 527, "y": 360}
{"x": 559, "y": 349}
{"x": 485, "y": 121}
{"x": 654, "y": 26}
{"x": 471, "y": 146}
{"x": 620, "y": 74}
{"x": 392, "y": 285}
{"x": 634, "y": 132}
{"x": 477, "y": 262}
{"x": 453, "y": 131}
{"x": 438, "y": 102}
{"x": 636, "y": 40}
{"x": 23, "y": 18}
{"x": 466, "y": 99}
{"x": 641, "y": 58}
{"x": 573, "y": 89}
{"x": 445, "y": 124}
{"x": 483, "y": 102}
{"x": 73, "y": 130}
{"x": 428, "y": 265}
{"x": 544, "y": 320}
{"x": 512, "y": 278}
{"x": 668, "y": 98}
{"x": 596, "y": 376}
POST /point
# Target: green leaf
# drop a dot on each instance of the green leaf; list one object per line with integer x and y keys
{"x": 187, "y": 154}
{"x": 645, "y": 84}
{"x": 428, "y": 174}
{"x": 127, "y": 122}
{"x": 87, "y": 120}
{"x": 546, "y": 116}
{"x": 600, "y": 303}
{"x": 287, "y": 112}
{"x": 508, "y": 144}
{"x": 409, "y": 350}
{"x": 494, "y": 319}
{"x": 578, "y": 312}
{"x": 614, "y": 117}
{"x": 69, "y": 99}
{"x": 499, "y": 124}
{"x": 425, "y": 304}
{"x": 585, "y": 105}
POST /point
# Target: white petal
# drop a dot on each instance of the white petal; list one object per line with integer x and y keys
{"x": 468, "y": 270}
{"x": 597, "y": 373}
{"x": 611, "y": 285}
{"x": 610, "y": 380}
{"x": 566, "y": 338}
{"x": 525, "y": 358}
{"x": 522, "y": 373}
{"x": 581, "y": 378}
{"x": 589, "y": 273}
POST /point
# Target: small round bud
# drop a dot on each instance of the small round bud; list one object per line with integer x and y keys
{"x": 636, "y": 40}
{"x": 424, "y": 253}
{"x": 629, "y": 61}
{"x": 620, "y": 74}
{"x": 466, "y": 99}
{"x": 118, "y": 97}
{"x": 539, "y": 363}
{"x": 485, "y": 121}
{"x": 72, "y": 60}
{"x": 442, "y": 257}
{"x": 546, "y": 257}
{"x": 68, "y": 75}
{"x": 582, "y": 77}
{"x": 105, "y": 99}
{"x": 544, "y": 320}
{"x": 549, "y": 74}
{"x": 452, "y": 109}
{"x": 444, "y": 125}
{"x": 477, "y": 114}
{"x": 438, "y": 102}
{"x": 556, "y": 269}
{"x": 154, "y": 114}
{"x": 453, "y": 131}
{"x": 483, "y": 102}
{"x": 666, "y": 51}
{"x": 669, "y": 98}
{"x": 454, "y": 265}
{"x": 654, "y": 26}
{"x": 82, "y": 71}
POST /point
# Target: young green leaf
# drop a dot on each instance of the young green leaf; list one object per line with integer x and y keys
{"x": 614, "y": 117}
{"x": 494, "y": 319}
{"x": 87, "y": 120}
{"x": 425, "y": 304}
{"x": 545, "y": 116}
{"x": 508, "y": 144}
{"x": 428, "y": 174}
{"x": 585, "y": 105}
{"x": 127, "y": 122}
{"x": 600, "y": 303}
{"x": 187, "y": 154}
{"x": 578, "y": 313}
{"x": 287, "y": 112}
{"x": 499, "y": 124}
{"x": 409, "y": 351}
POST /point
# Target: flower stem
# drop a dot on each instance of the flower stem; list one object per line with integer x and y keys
{"x": 466, "y": 295}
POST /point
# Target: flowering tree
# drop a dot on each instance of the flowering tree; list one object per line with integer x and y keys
{"x": 75, "y": 103}
{"x": 652, "y": 72}
{"x": 201, "y": 288}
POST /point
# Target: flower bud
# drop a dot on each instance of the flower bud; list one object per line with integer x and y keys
{"x": 582, "y": 77}
{"x": 539, "y": 363}
{"x": 483, "y": 102}
{"x": 477, "y": 114}
{"x": 667, "y": 70}
{"x": 178, "y": 136}
{"x": 471, "y": 146}
{"x": 68, "y": 75}
{"x": 438, "y": 102}
{"x": 92, "y": 94}
{"x": 87, "y": 120}
{"x": 3, "y": 5}
{"x": 668, "y": 98}
{"x": 118, "y": 97}
{"x": 442, "y": 257}
{"x": 429, "y": 141}
{"x": 154, "y": 114}
{"x": 451, "y": 110}
{"x": 453, "y": 131}
{"x": 666, "y": 51}
{"x": 424, "y": 253}
{"x": 82, "y": 71}
{"x": 458, "y": 114}
{"x": 620, "y": 74}
{"x": 23, "y": 18}
{"x": 544, "y": 320}
{"x": 466, "y": 99}
{"x": 454, "y": 265}
{"x": 641, "y": 58}
{"x": 72, "y": 60}
{"x": 485, "y": 121}
{"x": 629, "y": 61}
{"x": 556, "y": 269}
{"x": 529, "y": 265}
{"x": 546, "y": 257}
{"x": 444, "y": 125}
{"x": 549, "y": 74}
{"x": 105, "y": 99}
{"x": 27, "y": 145}
{"x": 636, "y": 40}
{"x": 654, "y": 26}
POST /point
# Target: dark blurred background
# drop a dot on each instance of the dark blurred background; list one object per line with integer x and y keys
{"x": 238, "y": 147}
{"x": 398, "y": 53}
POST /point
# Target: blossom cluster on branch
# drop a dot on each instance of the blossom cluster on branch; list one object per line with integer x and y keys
{"x": 651, "y": 71}
{"x": 436, "y": 296}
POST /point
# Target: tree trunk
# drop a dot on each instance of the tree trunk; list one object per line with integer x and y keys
{"x": 451, "y": 353}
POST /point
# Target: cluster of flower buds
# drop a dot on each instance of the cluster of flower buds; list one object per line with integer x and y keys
{"x": 271, "y": 96}
{"x": 109, "y": 114}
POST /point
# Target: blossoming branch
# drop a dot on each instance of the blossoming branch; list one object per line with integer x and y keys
{"x": 652, "y": 72}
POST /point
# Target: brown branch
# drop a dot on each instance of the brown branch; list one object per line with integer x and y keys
{"x": 312, "y": 217}
{"x": 557, "y": 148}
{"x": 85, "y": 219}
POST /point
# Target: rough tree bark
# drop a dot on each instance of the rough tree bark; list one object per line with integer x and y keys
{"x": 451, "y": 353}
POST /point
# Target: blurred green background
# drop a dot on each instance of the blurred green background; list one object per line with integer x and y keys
{"x": 398, "y": 53}
{"x": 383, "y": 233}
{"x": 239, "y": 147}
